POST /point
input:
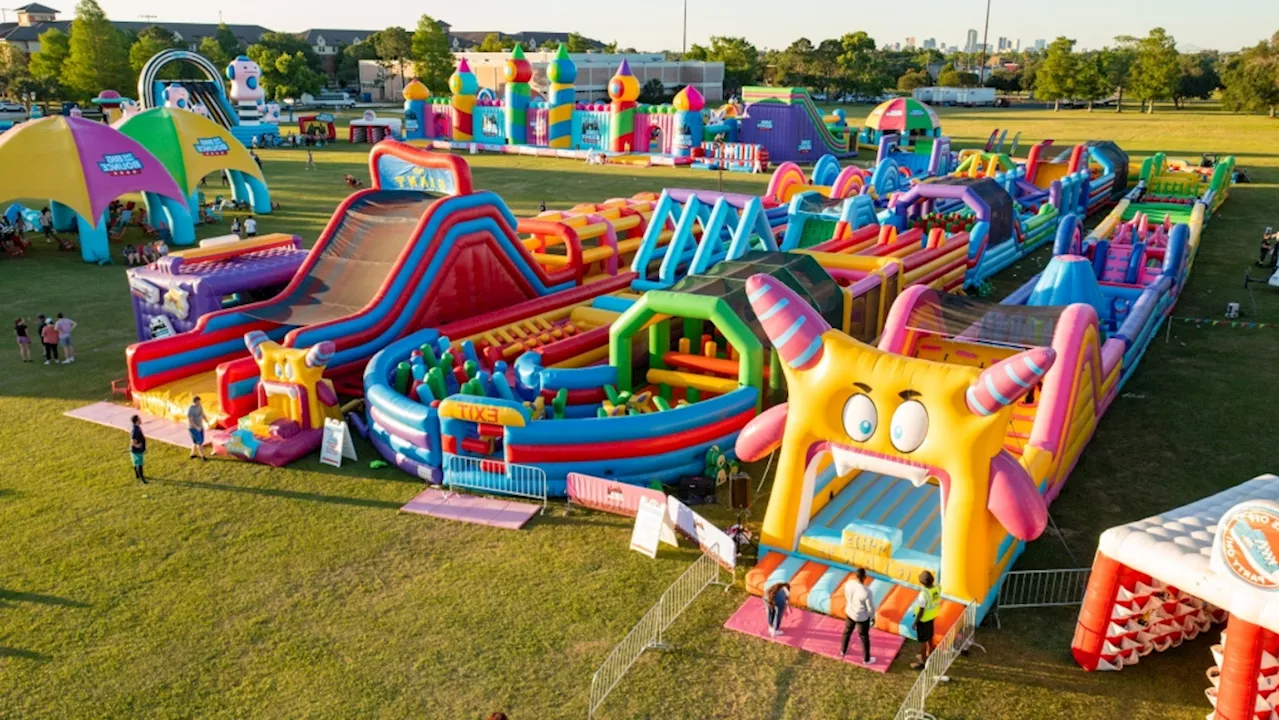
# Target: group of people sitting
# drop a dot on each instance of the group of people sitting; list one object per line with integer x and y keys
{"x": 145, "y": 253}
{"x": 12, "y": 239}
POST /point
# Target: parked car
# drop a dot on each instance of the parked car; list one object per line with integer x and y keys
{"x": 12, "y": 111}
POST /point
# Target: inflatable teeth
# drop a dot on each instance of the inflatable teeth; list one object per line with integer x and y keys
{"x": 1124, "y": 594}
{"x": 1104, "y": 665}
{"x": 1214, "y": 674}
{"x": 1269, "y": 661}
{"x": 1115, "y": 631}
{"x": 1217, "y": 655}
{"x": 1109, "y": 650}
{"x": 1129, "y": 658}
{"x": 1212, "y": 694}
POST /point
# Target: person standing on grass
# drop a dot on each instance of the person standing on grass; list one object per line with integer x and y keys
{"x": 775, "y": 600}
{"x": 49, "y": 337}
{"x": 24, "y": 342}
{"x": 250, "y": 227}
{"x": 64, "y": 326}
{"x": 311, "y": 161}
{"x": 196, "y": 422}
{"x": 46, "y": 224}
{"x": 859, "y": 611}
{"x": 235, "y": 227}
{"x": 137, "y": 448}
{"x": 929, "y": 602}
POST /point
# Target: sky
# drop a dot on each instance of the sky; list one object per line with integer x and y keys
{"x": 656, "y": 24}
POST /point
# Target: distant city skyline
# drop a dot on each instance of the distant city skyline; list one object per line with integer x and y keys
{"x": 1092, "y": 23}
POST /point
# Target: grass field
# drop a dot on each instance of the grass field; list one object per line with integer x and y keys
{"x": 229, "y": 590}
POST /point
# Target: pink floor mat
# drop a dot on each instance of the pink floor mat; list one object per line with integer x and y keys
{"x": 159, "y": 429}
{"x": 816, "y": 633}
{"x": 474, "y": 509}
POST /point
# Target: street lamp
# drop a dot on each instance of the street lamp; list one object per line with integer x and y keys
{"x": 982, "y": 68}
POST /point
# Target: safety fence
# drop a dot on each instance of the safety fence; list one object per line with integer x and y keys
{"x": 1061, "y": 587}
{"x": 957, "y": 640}
{"x": 496, "y": 477}
{"x": 609, "y": 496}
{"x": 647, "y": 634}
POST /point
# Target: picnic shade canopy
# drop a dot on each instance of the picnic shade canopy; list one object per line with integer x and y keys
{"x": 903, "y": 115}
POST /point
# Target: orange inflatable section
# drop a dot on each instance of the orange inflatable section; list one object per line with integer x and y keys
{"x": 804, "y": 581}
{"x": 758, "y": 575}
{"x": 896, "y": 603}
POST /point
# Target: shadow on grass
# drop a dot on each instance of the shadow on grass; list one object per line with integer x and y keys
{"x": 8, "y": 652}
{"x": 16, "y": 596}
{"x": 285, "y": 494}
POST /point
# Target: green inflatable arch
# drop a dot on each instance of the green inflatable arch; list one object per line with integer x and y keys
{"x": 690, "y": 307}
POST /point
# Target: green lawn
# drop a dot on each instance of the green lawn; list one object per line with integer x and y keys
{"x": 229, "y": 590}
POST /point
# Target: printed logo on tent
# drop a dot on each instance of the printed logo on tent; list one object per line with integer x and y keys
{"x": 212, "y": 146}
{"x": 805, "y": 146}
{"x": 1247, "y": 545}
{"x": 764, "y": 125}
{"x": 324, "y": 117}
{"x": 916, "y": 113}
{"x": 893, "y": 113}
{"x": 119, "y": 164}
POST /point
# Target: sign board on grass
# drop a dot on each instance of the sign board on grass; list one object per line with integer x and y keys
{"x": 647, "y": 532}
{"x": 336, "y": 444}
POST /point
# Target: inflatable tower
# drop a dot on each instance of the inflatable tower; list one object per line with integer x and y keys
{"x": 416, "y": 96}
{"x": 463, "y": 85}
{"x": 246, "y": 88}
{"x": 561, "y": 73}
{"x": 518, "y": 74}
{"x": 624, "y": 90}
{"x": 688, "y": 104}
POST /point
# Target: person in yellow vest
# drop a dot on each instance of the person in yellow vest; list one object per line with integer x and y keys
{"x": 929, "y": 602}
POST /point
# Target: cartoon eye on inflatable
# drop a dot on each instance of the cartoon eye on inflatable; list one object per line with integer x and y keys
{"x": 909, "y": 426}
{"x": 279, "y": 370}
{"x": 859, "y": 417}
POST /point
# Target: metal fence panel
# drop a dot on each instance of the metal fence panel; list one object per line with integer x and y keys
{"x": 648, "y": 632}
{"x": 496, "y": 477}
{"x": 1043, "y": 588}
{"x": 957, "y": 639}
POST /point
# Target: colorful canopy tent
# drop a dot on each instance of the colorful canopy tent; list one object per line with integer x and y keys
{"x": 1160, "y": 581}
{"x": 81, "y": 166}
{"x": 192, "y": 146}
{"x": 905, "y": 116}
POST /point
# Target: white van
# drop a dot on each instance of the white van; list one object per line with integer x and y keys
{"x": 329, "y": 99}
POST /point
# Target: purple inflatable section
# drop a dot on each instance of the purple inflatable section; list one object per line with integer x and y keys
{"x": 787, "y": 131}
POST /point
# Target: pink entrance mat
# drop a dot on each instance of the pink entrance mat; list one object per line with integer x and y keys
{"x": 493, "y": 512}
{"x": 816, "y": 633}
{"x": 158, "y": 429}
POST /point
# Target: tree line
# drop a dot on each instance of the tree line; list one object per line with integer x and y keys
{"x": 1148, "y": 68}
{"x": 96, "y": 55}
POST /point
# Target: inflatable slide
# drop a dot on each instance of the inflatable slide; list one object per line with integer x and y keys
{"x": 418, "y": 249}
{"x": 786, "y": 121}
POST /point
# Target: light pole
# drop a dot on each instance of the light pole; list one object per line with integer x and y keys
{"x": 684, "y": 31}
{"x": 982, "y": 68}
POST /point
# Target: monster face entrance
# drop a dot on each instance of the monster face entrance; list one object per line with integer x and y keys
{"x": 873, "y": 515}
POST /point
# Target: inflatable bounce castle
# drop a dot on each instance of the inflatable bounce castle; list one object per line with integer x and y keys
{"x": 243, "y": 112}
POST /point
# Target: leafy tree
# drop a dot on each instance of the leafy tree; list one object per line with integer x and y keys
{"x": 955, "y": 78}
{"x": 491, "y": 43}
{"x": 741, "y": 60}
{"x": 1198, "y": 77}
{"x": 99, "y": 54}
{"x": 861, "y": 66}
{"x": 227, "y": 41}
{"x": 433, "y": 60}
{"x": 1250, "y": 78}
{"x": 1005, "y": 81}
{"x": 349, "y": 58}
{"x": 913, "y": 79}
{"x": 46, "y": 64}
{"x": 151, "y": 40}
{"x": 790, "y": 67}
{"x": 1056, "y": 76}
{"x": 1115, "y": 64}
{"x": 654, "y": 92}
{"x": 1155, "y": 72}
{"x": 1090, "y": 84}
{"x": 393, "y": 46}
{"x": 293, "y": 76}
{"x": 825, "y": 68}
{"x": 13, "y": 69}
{"x": 212, "y": 50}
{"x": 611, "y": 47}
{"x": 272, "y": 45}
{"x": 576, "y": 43}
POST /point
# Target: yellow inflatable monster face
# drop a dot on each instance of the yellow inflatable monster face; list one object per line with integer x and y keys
{"x": 291, "y": 380}
{"x": 903, "y": 417}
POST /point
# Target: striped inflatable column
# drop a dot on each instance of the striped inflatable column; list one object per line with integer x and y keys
{"x": 624, "y": 89}
{"x": 562, "y": 73}
{"x": 464, "y": 87}
{"x": 518, "y": 73}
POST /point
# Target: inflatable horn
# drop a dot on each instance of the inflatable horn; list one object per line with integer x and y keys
{"x": 1007, "y": 381}
{"x": 791, "y": 323}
